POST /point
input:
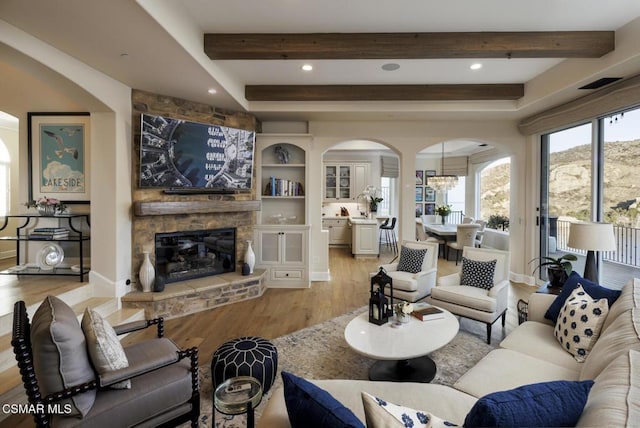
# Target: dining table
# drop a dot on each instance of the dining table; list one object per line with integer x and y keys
{"x": 445, "y": 231}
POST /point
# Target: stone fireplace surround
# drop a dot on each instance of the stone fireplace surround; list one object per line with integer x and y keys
{"x": 157, "y": 212}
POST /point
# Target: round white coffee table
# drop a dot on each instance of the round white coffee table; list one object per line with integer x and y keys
{"x": 402, "y": 352}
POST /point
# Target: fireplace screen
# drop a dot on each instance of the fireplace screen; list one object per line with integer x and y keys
{"x": 194, "y": 254}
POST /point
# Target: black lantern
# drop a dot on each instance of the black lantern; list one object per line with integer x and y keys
{"x": 380, "y": 307}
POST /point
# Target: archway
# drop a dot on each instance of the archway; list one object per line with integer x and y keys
{"x": 353, "y": 172}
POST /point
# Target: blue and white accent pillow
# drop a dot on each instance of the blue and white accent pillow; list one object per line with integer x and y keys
{"x": 411, "y": 259}
{"x": 579, "y": 323}
{"x": 382, "y": 414}
{"x": 476, "y": 273}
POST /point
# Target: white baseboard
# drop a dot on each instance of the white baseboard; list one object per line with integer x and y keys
{"x": 7, "y": 254}
{"x": 523, "y": 279}
{"x": 104, "y": 287}
{"x": 321, "y": 276}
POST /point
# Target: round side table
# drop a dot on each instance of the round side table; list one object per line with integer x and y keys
{"x": 238, "y": 395}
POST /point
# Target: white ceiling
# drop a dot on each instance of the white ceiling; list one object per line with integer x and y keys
{"x": 157, "y": 46}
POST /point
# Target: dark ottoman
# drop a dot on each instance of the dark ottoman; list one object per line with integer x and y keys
{"x": 245, "y": 356}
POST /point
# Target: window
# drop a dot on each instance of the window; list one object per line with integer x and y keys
{"x": 386, "y": 186}
{"x": 5, "y": 188}
{"x": 493, "y": 198}
{"x": 589, "y": 174}
{"x": 455, "y": 197}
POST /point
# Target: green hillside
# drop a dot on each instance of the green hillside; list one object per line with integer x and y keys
{"x": 570, "y": 184}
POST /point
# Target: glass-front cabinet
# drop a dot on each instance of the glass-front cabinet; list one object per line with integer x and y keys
{"x": 337, "y": 182}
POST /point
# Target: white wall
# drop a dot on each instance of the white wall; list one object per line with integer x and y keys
{"x": 407, "y": 139}
{"x": 38, "y": 77}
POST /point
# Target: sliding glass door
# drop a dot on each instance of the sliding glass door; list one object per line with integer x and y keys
{"x": 621, "y": 195}
{"x": 589, "y": 173}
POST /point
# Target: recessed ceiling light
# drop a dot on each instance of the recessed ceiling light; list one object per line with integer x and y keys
{"x": 392, "y": 66}
{"x": 307, "y": 67}
{"x": 212, "y": 91}
{"x": 476, "y": 66}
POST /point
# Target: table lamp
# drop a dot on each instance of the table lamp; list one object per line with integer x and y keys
{"x": 591, "y": 237}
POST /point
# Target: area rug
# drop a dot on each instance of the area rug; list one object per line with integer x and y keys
{"x": 321, "y": 352}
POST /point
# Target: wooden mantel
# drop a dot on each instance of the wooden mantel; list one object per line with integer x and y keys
{"x": 141, "y": 208}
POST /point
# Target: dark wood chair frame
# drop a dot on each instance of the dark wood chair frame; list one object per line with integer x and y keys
{"x": 21, "y": 342}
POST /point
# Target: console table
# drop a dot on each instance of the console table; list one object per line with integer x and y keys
{"x": 76, "y": 237}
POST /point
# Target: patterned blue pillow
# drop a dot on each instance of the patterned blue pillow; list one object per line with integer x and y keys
{"x": 309, "y": 406}
{"x": 548, "y": 404}
{"x": 591, "y": 288}
{"x": 411, "y": 259}
{"x": 383, "y": 414}
{"x": 478, "y": 274}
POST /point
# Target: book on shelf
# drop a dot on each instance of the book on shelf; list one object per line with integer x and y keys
{"x": 428, "y": 313}
{"x": 283, "y": 187}
{"x": 50, "y": 229}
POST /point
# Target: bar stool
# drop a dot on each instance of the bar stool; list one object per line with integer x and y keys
{"x": 390, "y": 236}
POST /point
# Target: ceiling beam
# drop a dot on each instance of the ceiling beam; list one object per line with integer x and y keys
{"x": 545, "y": 44}
{"x": 383, "y": 92}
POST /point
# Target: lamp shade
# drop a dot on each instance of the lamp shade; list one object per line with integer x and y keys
{"x": 592, "y": 236}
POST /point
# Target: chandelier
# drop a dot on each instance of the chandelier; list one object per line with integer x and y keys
{"x": 443, "y": 182}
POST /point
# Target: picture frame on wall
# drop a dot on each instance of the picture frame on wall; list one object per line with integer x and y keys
{"x": 428, "y": 173}
{"x": 430, "y": 209}
{"x": 58, "y": 153}
{"x": 418, "y": 210}
{"x": 419, "y": 177}
{"x": 429, "y": 194}
{"x": 419, "y": 194}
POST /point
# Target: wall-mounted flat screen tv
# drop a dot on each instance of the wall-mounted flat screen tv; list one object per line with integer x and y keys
{"x": 179, "y": 154}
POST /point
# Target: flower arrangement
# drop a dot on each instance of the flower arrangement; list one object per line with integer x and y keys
{"x": 47, "y": 205}
{"x": 403, "y": 310}
{"x": 372, "y": 194}
{"x": 443, "y": 210}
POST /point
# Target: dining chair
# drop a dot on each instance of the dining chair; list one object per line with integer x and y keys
{"x": 467, "y": 220}
{"x": 480, "y": 234}
{"x": 465, "y": 237}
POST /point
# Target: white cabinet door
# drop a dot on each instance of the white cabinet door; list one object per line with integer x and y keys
{"x": 283, "y": 251}
{"x": 269, "y": 242}
{"x": 365, "y": 239}
{"x": 360, "y": 178}
{"x": 338, "y": 182}
{"x": 293, "y": 247}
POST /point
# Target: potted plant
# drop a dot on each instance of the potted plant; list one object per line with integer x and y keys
{"x": 558, "y": 269}
{"x": 443, "y": 211}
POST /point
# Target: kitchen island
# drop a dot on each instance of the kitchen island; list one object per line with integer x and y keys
{"x": 364, "y": 237}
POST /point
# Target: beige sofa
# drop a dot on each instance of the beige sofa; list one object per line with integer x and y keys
{"x": 530, "y": 354}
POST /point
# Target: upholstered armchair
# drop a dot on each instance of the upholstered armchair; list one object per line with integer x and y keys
{"x": 413, "y": 278}
{"x": 465, "y": 236}
{"x": 78, "y": 376}
{"x": 480, "y": 291}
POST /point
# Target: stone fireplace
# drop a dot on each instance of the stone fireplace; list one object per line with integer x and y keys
{"x": 156, "y": 212}
{"x": 195, "y": 254}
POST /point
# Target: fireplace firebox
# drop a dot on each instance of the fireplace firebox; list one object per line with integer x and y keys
{"x": 195, "y": 254}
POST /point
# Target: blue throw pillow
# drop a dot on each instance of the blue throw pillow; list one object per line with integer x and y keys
{"x": 548, "y": 404}
{"x": 591, "y": 288}
{"x": 309, "y": 406}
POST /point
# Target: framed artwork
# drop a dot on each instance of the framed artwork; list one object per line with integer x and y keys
{"x": 419, "y": 178}
{"x": 59, "y": 156}
{"x": 419, "y": 194}
{"x": 429, "y": 194}
{"x": 428, "y": 173}
{"x": 430, "y": 209}
{"x": 418, "y": 210}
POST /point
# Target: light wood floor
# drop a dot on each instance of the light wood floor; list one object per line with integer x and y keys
{"x": 278, "y": 312}
{"x": 282, "y": 311}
